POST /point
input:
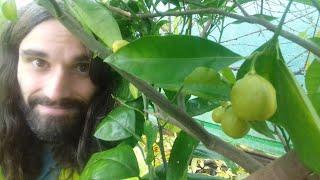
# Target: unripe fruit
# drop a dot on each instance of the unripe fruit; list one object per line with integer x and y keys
{"x": 253, "y": 98}
{"x": 217, "y": 114}
{"x": 118, "y": 44}
{"x": 9, "y": 10}
{"x": 233, "y": 126}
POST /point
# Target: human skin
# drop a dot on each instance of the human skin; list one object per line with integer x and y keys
{"x": 54, "y": 64}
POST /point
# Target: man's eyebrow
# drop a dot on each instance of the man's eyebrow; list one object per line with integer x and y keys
{"x": 34, "y": 53}
{"x": 83, "y": 58}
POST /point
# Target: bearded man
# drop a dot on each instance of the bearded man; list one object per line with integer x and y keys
{"x": 52, "y": 97}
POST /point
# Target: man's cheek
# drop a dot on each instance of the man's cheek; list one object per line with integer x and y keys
{"x": 26, "y": 85}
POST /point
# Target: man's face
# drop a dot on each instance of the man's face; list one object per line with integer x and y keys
{"x": 53, "y": 75}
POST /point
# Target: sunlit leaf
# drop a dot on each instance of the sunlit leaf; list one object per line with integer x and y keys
{"x": 167, "y": 61}
{"x": 116, "y": 163}
{"x": 98, "y": 19}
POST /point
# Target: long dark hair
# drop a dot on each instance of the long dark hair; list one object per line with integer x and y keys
{"x": 20, "y": 150}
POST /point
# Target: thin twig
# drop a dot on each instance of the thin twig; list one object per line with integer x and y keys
{"x": 282, "y": 139}
{"x": 161, "y": 145}
{"x": 277, "y": 32}
{"x": 244, "y": 12}
{"x": 313, "y": 35}
{"x": 203, "y": 33}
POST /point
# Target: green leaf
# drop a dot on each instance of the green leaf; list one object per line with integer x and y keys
{"x": 166, "y": 61}
{"x": 137, "y": 105}
{"x": 117, "y": 163}
{"x": 295, "y": 111}
{"x": 151, "y": 134}
{"x": 262, "y": 127}
{"x": 299, "y": 117}
{"x": 198, "y": 106}
{"x": 9, "y": 10}
{"x": 180, "y": 156}
{"x": 98, "y": 19}
{"x": 313, "y": 84}
{"x": 119, "y": 124}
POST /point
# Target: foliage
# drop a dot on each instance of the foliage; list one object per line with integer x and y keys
{"x": 196, "y": 72}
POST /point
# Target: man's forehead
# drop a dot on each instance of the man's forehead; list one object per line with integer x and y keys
{"x": 51, "y": 38}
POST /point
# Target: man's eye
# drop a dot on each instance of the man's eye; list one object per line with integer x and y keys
{"x": 83, "y": 67}
{"x": 39, "y": 63}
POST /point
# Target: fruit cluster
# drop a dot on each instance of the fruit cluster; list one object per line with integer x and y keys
{"x": 253, "y": 98}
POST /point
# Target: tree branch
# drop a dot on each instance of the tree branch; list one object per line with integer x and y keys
{"x": 185, "y": 122}
{"x": 244, "y": 12}
{"x": 250, "y": 19}
{"x": 277, "y": 32}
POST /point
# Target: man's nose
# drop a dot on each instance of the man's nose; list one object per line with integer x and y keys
{"x": 57, "y": 85}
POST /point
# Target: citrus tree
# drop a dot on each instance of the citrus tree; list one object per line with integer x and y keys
{"x": 175, "y": 66}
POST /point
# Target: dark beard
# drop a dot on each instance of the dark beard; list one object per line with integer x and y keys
{"x": 56, "y": 129}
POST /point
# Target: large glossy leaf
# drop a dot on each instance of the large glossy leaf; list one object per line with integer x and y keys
{"x": 117, "y": 163}
{"x": 313, "y": 84}
{"x": 299, "y": 117}
{"x": 118, "y": 124}
{"x": 295, "y": 111}
{"x": 98, "y": 19}
{"x": 166, "y": 61}
{"x": 180, "y": 156}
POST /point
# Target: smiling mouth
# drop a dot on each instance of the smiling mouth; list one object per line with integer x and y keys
{"x": 55, "y": 110}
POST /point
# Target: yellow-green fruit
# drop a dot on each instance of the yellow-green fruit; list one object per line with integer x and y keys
{"x": 217, "y": 114}
{"x": 9, "y": 10}
{"x": 253, "y": 98}
{"x": 118, "y": 44}
{"x": 233, "y": 126}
